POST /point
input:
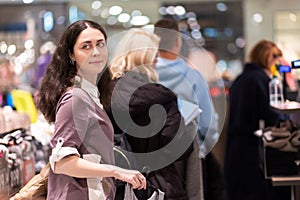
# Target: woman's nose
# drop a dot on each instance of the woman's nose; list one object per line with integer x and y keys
{"x": 95, "y": 52}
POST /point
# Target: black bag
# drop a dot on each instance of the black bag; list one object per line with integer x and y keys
{"x": 131, "y": 194}
{"x": 124, "y": 159}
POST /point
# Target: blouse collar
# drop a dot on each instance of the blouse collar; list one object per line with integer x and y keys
{"x": 91, "y": 89}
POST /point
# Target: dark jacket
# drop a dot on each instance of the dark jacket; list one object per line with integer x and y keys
{"x": 249, "y": 103}
{"x": 154, "y": 128}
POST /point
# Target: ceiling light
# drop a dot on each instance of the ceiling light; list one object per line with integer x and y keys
{"x": 124, "y": 17}
{"x": 96, "y": 5}
{"x": 162, "y": 10}
{"x": 140, "y": 20}
{"x": 171, "y": 10}
{"x": 115, "y": 10}
{"x": 191, "y": 15}
{"x": 179, "y": 10}
{"x": 28, "y": 44}
{"x": 258, "y": 18}
{"x": 11, "y": 49}
{"x": 221, "y": 7}
{"x": 136, "y": 13}
{"x": 3, "y": 47}
{"x": 240, "y": 42}
{"x": 112, "y": 20}
{"x": 27, "y": 1}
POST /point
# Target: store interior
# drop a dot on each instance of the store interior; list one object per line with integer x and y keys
{"x": 226, "y": 28}
{"x": 29, "y": 30}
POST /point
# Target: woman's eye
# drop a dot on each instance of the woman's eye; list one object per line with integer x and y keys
{"x": 86, "y": 46}
{"x": 101, "y": 44}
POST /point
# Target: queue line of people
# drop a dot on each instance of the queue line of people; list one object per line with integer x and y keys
{"x": 146, "y": 70}
{"x": 77, "y": 158}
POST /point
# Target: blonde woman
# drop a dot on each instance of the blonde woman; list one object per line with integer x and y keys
{"x": 132, "y": 102}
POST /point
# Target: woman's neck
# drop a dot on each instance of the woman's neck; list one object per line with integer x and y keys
{"x": 92, "y": 78}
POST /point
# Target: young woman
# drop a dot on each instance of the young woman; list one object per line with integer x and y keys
{"x": 147, "y": 112}
{"x": 82, "y": 160}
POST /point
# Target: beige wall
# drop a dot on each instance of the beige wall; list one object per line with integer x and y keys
{"x": 265, "y": 30}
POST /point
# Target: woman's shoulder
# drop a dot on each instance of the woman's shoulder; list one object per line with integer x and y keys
{"x": 158, "y": 90}
{"x": 72, "y": 94}
{"x": 253, "y": 72}
{"x": 153, "y": 93}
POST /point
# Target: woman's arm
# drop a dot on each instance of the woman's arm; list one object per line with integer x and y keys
{"x": 77, "y": 167}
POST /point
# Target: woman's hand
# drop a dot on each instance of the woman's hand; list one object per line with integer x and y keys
{"x": 135, "y": 178}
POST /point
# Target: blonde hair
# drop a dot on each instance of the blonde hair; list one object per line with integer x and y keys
{"x": 136, "y": 51}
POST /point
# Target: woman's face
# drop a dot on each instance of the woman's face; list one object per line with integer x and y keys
{"x": 90, "y": 53}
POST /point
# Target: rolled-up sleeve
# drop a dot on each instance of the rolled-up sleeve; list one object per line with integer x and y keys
{"x": 60, "y": 152}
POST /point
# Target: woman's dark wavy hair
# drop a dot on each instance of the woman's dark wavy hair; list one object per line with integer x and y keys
{"x": 61, "y": 71}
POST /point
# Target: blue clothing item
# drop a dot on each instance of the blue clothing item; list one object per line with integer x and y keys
{"x": 189, "y": 84}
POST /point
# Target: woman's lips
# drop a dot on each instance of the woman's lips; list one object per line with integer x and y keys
{"x": 95, "y": 62}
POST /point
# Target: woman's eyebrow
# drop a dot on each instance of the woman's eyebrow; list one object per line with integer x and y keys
{"x": 89, "y": 41}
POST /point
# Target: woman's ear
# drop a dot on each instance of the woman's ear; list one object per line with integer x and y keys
{"x": 72, "y": 59}
{"x": 71, "y": 56}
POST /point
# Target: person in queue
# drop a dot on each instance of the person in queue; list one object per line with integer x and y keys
{"x": 249, "y": 107}
{"x": 135, "y": 90}
{"x": 82, "y": 159}
{"x": 189, "y": 84}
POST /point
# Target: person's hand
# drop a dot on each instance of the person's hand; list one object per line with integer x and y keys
{"x": 135, "y": 178}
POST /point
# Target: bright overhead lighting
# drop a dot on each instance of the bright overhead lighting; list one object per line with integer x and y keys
{"x": 171, "y": 10}
{"x": 27, "y": 1}
{"x": 222, "y": 7}
{"x": 162, "y": 10}
{"x": 179, "y": 10}
{"x": 140, "y": 20}
{"x": 136, "y": 13}
{"x": 191, "y": 15}
{"x": 240, "y": 42}
{"x": 115, "y": 10}
{"x": 124, "y": 17}
{"x": 96, "y": 5}
{"x": 11, "y": 49}
{"x": 257, "y": 17}
{"x": 28, "y": 44}
{"x": 3, "y": 47}
{"x": 111, "y": 20}
{"x": 196, "y": 34}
